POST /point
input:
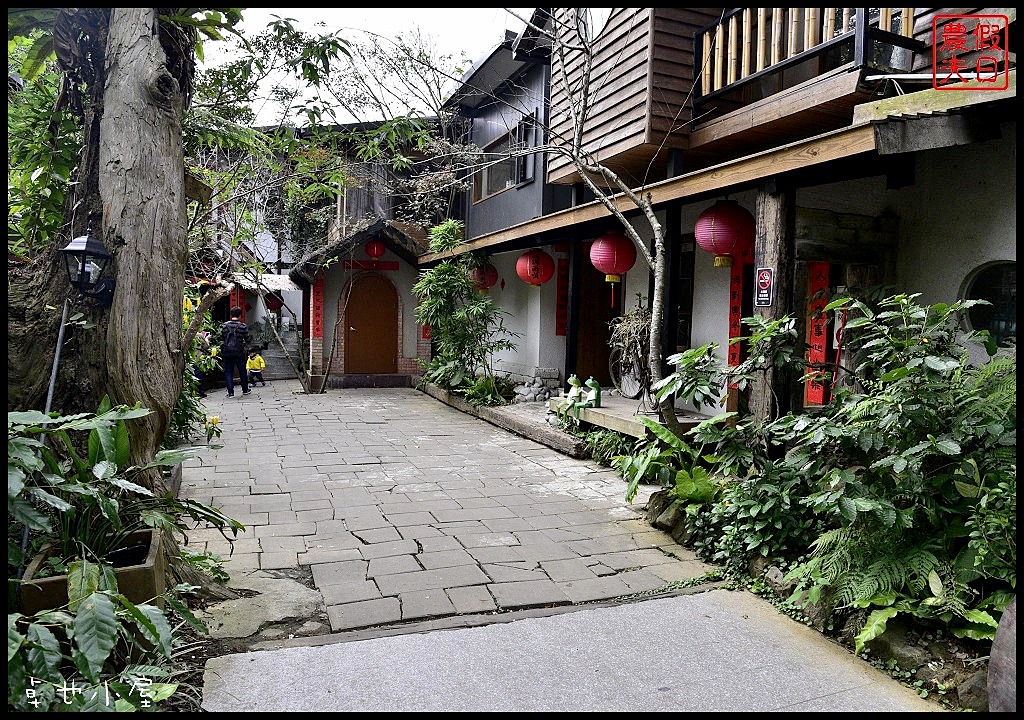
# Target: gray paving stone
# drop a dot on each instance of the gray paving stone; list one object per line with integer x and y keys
{"x": 471, "y": 599}
{"x": 529, "y": 593}
{"x": 354, "y": 591}
{"x": 546, "y": 551}
{"x": 511, "y": 573}
{"x": 318, "y": 556}
{"x": 601, "y": 588}
{"x": 425, "y": 603}
{"x": 364, "y": 614}
{"x": 483, "y": 513}
{"x": 306, "y": 528}
{"x": 405, "y": 519}
{"x": 634, "y": 559}
{"x": 337, "y": 573}
{"x": 489, "y": 539}
{"x": 641, "y": 580}
{"x": 364, "y": 521}
{"x": 421, "y": 532}
{"x": 304, "y": 516}
{"x": 392, "y": 565}
{"x": 290, "y": 543}
{"x": 441, "y": 543}
{"x": 495, "y": 554}
{"x": 378, "y": 535}
{"x": 430, "y": 579}
{"x": 385, "y": 549}
{"x": 572, "y": 569}
{"x": 445, "y": 558}
{"x": 278, "y": 560}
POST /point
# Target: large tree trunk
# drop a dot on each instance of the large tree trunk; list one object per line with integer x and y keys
{"x": 774, "y": 247}
{"x": 142, "y": 192}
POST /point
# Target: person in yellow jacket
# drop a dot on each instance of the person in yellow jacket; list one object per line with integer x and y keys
{"x": 254, "y": 365}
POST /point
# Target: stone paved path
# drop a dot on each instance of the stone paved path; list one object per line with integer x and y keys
{"x": 407, "y": 509}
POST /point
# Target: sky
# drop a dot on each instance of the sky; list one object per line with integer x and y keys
{"x": 474, "y": 31}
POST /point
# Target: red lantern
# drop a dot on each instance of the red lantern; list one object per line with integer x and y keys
{"x": 273, "y": 302}
{"x": 375, "y": 249}
{"x": 535, "y": 267}
{"x": 613, "y": 254}
{"x": 484, "y": 277}
{"x": 725, "y": 230}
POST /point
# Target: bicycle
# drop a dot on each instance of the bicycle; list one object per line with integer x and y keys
{"x": 628, "y": 362}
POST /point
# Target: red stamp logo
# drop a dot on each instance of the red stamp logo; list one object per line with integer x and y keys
{"x": 970, "y": 52}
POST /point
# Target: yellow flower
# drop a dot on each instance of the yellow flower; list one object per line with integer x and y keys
{"x": 213, "y": 352}
{"x": 187, "y": 305}
{"x": 214, "y": 420}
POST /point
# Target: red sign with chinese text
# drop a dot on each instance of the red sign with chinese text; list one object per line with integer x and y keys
{"x": 318, "y": 308}
{"x": 817, "y": 331}
{"x": 970, "y": 52}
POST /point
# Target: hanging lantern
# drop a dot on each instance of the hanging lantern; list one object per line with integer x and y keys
{"x": 274, "y": 303}
{"x": 535, "y": 267}
{"x": 613, "y": 254}
{"x": 725, "y": 230}
{"x": 375, "y": 249}
{"x": 484, "y": 277}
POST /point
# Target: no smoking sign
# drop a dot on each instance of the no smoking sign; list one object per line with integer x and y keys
{"x": 765, "y": 290}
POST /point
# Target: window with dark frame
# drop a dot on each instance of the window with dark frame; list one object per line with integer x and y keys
{"x": 506, "y": 166}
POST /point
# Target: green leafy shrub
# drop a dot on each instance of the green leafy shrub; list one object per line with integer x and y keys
{"x": 99, "y": 653}
{"x": 604, "y": 445}
{"x": 87, "y": 505}
{"x": 897, "y": 497}
{"x": 466, "y": 327}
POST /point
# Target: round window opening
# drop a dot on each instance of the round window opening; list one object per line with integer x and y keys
{"x": 998, "y": 285}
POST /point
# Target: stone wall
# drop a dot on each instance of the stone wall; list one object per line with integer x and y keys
{"x": 546, "y": 383}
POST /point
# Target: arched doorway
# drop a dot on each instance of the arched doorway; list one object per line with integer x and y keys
{"x": 371, "y": 327}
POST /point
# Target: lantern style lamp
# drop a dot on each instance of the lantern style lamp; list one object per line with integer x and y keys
{"x": 86, "y": 259}
{"x": 613, "y": 254}
{"x": 726, "y": 230}
{"x": 484, "y": 277}
{"x": 535, "y": 267}
{"x": 375, "y": 249}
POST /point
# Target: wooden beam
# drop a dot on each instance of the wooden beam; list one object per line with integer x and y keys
{"x": 930, "y": 101}
{"x": 824, "y": 148}
{"x": 928, "y": 133}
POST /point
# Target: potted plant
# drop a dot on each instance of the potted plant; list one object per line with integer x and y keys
{"x": 86, "y": 502}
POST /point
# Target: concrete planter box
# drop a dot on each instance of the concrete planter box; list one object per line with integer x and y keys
{"x": 139, "y": 583}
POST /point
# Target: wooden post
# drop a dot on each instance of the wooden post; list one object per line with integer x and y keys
{"x": 908, "y": 22}
{"x": 794, "y": 32}
{"x": 705, "y": 69}
{"x": 811, "y": 37}
{"x": 762, "y": 38}
{"x": 778, "y": 34}
{"x": 830, "y": 24}
{"x": 774, "y": 247}
{"x": 719, "y": 55}
{"x": 733, "y": 49}
{"x": 847, "y": 14}
{"x": 748, "y": 40}
{"x": 885, "y": 19}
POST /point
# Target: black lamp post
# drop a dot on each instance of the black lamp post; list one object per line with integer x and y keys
{"x": 86, "y": 260}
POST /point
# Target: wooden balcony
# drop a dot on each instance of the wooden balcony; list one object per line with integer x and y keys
{"x": 773, "y": 75}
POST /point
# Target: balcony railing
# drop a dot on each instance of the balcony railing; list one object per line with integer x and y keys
{"x": 750, "y": 43}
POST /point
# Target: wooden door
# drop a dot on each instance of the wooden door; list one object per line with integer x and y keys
{"x": 595, "y": 312}
{"x": 371, "y": 327}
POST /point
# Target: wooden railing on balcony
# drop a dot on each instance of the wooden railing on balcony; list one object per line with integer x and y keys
{"x": 748, "y": 41}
